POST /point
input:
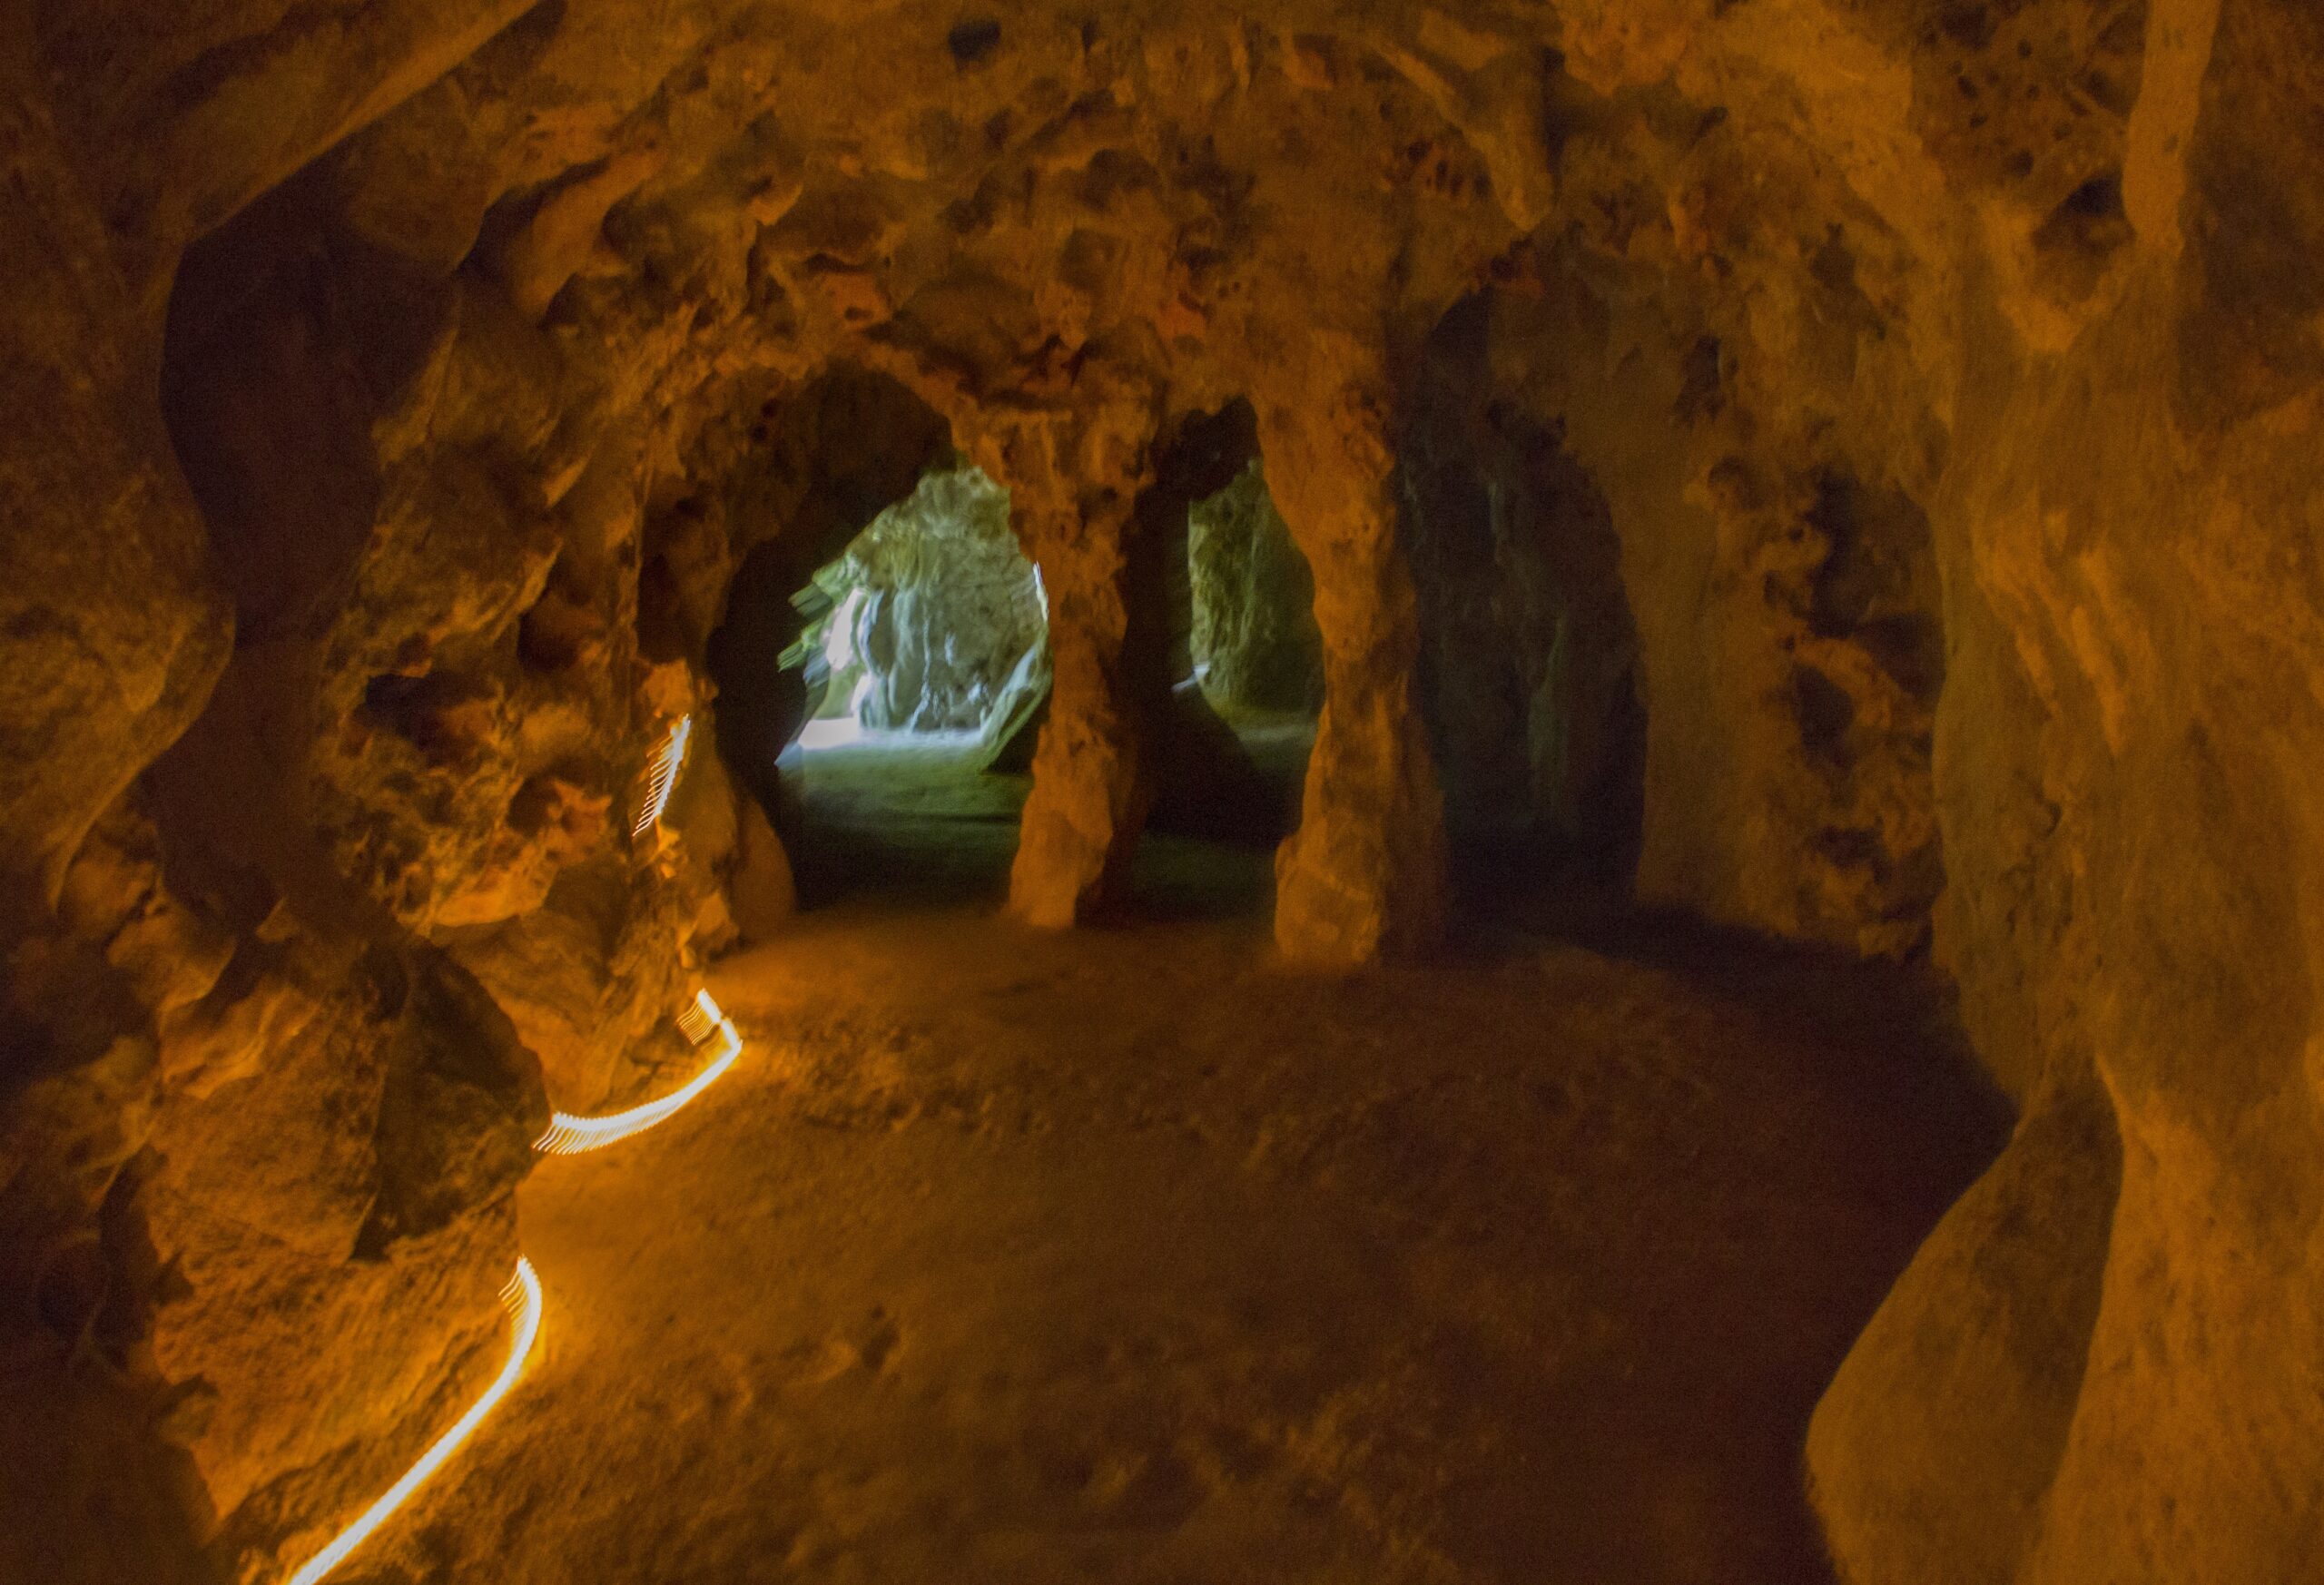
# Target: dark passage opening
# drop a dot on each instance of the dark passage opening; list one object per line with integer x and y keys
{"x": 1224, "y": 645}
{"x": 1529, "y": 655}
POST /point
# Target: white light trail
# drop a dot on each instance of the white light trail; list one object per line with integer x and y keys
{"x": 522, "y": 1299}
{"x": 662, "y": 776}
{"x": 571, "y": 1136}
{"x": 567, "y": 1135}
{"x": 702, "y": 1018}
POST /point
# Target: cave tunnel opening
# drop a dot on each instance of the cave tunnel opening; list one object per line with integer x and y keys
{"x": 922, "y": 660}
{"x": 873, "y": 648}
{"x": 1223, "y": 649}
{"x": 1529, "y": 673}
{"x": 1254, "y": 648}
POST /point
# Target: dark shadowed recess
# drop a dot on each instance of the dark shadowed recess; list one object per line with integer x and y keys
{"x": 1528, "y": 674}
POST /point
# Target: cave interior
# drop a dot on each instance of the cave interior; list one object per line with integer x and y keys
{"x": 1456, "y": 792}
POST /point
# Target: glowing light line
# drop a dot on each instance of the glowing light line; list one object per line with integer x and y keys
{"x": 567, "y": 1135}
{"x": 522, "y": 1299}
{"x": 662, "y": 776}
{"x": 571, "y": 1136}
{"x": 701, "y": 1017}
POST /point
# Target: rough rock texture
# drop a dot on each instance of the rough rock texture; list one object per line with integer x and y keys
{"x": 113, "y": 634}
{"x": 402, "y": 397}
{"x": 374, "y": 1246}
{"x": 2127, "y": 490}
{"x": 1365, "y": 873}
{"x": 1011, "y": 729}
{"x": 1089, "y": 793}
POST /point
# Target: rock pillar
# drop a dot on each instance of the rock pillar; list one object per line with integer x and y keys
{"x": 1073, "y": 488}
{"x": 1364, "y": 875}
{"x": 1082, "y": 817}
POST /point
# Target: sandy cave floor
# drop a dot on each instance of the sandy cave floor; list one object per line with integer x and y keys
{"x": 1126, "y": 1255}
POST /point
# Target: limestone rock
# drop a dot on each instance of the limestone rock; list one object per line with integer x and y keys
{"x": 111, "y": 631}
{"x": 1365, "y": 873}
{"x": 353, "y": 1261}
{"x": 1077, "y": 483}
{"x": 546, "y": 970}
{"x": 763, "y": 891}
{"x": 1955, "y": 1492}
{"x": 1013, "y": 727}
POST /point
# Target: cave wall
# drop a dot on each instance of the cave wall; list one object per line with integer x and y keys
{"x": 395, "y": 391}
{"x": 2150, "y": 847}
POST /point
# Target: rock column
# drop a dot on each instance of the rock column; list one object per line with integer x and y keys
{"x": 1364, "y": 875}
{"x": 1073, "y": 491}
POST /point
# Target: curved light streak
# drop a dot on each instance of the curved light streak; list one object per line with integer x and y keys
{"x": 662, "y": 776}
{"x": 521, "y": 1296}
{"x": 701, "y": 1017}
{"x": 522, "y": 1299}
{"x": 571, "y": 1136}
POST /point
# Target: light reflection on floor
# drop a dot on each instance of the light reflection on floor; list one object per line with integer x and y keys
{"x": 840, "y": 731}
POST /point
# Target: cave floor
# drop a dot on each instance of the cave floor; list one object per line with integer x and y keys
{"x": 1127, "y": 1255}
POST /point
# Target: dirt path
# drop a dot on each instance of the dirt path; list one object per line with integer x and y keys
{"x": 1123, "y": 1256}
